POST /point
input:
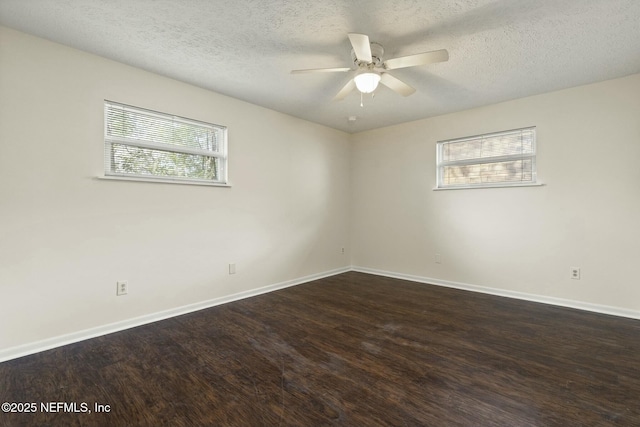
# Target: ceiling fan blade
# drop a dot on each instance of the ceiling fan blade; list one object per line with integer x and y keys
{"x": 396, "y": 85}
{"x": 346, "y": 90}
{"x": 321, "y": 70}
{"x": 361, "y": 46}
{"x": 417, "y": 59}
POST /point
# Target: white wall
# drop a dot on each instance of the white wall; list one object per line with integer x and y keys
{"x": 67, "y": 237}
{"x": 515, "y": 239}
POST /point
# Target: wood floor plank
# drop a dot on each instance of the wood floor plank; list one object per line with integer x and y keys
{"x": 348, "y": 350}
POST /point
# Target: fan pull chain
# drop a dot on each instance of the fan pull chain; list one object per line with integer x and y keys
{"x": 361, "y": 104}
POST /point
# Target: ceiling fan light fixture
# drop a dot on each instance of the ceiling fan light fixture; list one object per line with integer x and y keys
{"x": 367, "y": 82}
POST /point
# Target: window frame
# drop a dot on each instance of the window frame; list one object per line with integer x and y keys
{"x": 221, "y": 153}
{"x": 440, "y": 164}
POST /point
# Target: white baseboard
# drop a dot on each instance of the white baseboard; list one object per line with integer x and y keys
{"x": 597, "y": 308}
{"x": 49, "y": 343}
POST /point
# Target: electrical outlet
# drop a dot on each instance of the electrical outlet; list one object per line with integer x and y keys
{"x": 342, "y": 251}
{"x": 122, "y": 288}
{"x": 232, "y": 269}
{"x": 438, "y": 259}
{"x": 575, "y": 273}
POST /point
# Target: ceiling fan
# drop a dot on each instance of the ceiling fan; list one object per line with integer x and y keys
{"x": 370, "y": 69}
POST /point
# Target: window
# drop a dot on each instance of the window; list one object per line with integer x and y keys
{"x": 492, "y": 160}
{"x": 147, "y": 145}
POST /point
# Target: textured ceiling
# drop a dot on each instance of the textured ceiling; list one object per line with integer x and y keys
{"x": 499, "y": 49}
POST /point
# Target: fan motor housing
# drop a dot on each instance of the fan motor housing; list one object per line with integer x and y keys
{"x": 376, "y": 54}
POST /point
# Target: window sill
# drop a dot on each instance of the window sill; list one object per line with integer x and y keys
{"x": 162, "y": 181}
{"x": 484, "y": 187}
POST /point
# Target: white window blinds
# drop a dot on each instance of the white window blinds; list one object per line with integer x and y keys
{"x": 490, "y": 160}
{"x": 150, "y": 145}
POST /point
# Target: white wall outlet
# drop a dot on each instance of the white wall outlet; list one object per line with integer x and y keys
{"x": 575, "y": 273}
{"x": 232, "y": 269}
{"x": 438, "y": 259}
{"x": 342, "y": 251}
{"x": 122, "y": 288}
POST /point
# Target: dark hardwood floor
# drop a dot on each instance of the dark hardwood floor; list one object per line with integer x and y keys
{"x": 349, "y": 350}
